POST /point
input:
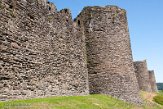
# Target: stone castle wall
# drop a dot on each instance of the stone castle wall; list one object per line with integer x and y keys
{"x": 43, "y": 52}
{"x": 152, "y": 81}
{"x": 40, "y": 55}
{"x": 109, "y": 55}
{"x": 142, "y": 74}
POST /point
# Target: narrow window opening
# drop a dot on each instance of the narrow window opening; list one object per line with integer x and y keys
{"x": 66, "y": 10}
{"x": 49, "y": 8}
{"x": 31, "y": 16}
{"x": 11, "y": 6}
{"x": 79, "y": 22}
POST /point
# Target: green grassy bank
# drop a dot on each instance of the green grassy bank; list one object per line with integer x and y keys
{"x": 75, "y": 102}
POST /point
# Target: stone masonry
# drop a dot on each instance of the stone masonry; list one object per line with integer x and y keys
{"x": 109, "y": 55}
{"x": 152, "y": 80}
{"x": 43, "y": 52}
{"x": 142, "y": 74}
{"x": 39, "y": 53}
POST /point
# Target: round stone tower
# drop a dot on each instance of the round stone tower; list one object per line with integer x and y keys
{"x": 109, "y": 54}
{"x": 142, "y": 74}
{"x": 152, "y": 80}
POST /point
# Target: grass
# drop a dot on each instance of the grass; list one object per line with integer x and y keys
{"x": 161, "y": 91}
{"x": 74, "y": 102}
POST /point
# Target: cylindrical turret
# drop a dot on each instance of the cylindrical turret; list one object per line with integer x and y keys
{"x": 142, "y": 74}
{"x": 51, "y": 7}
{"x": 152, "y": 80}
{"x": 109, "y": 55}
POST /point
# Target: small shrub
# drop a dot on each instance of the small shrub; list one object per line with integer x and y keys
{"x": 13, "y": 13}
{"x": 159, "y": 99}
{"x": 1, "y": 5}
{"x": 50, "y": 18}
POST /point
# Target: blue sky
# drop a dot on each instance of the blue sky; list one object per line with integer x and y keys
{"x": 145, "y": 18}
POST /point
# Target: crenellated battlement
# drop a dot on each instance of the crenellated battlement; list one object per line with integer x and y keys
{"x": 51, "y": 7}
